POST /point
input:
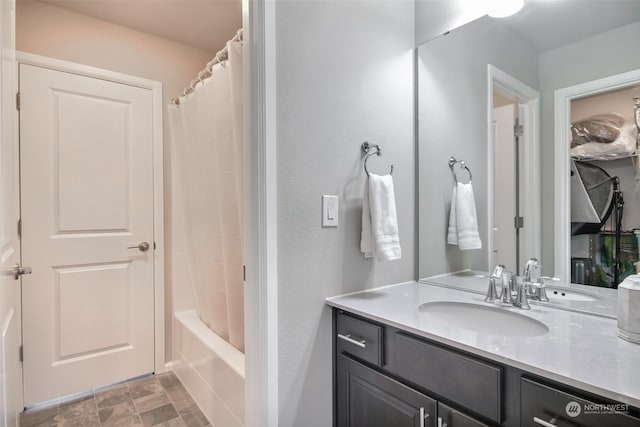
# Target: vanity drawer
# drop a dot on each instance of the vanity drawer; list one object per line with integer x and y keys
{"x": 543, "y": 406}
{"x": 359, "y": 338}
{"x": 473, "y": 384}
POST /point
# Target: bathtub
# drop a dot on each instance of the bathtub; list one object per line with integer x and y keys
{"x": 210, "y": 368}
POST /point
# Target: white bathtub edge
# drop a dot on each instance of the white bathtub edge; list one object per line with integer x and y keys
{"x": 232, "y": 356}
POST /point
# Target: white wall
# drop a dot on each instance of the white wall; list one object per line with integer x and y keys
{"x": 452, "y": 121}
{"x": 344, "y": 75}
{"x": 54, "y": 32}
{"x": 603, "y": 55}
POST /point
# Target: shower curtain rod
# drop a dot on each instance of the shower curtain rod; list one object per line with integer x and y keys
{"x": 220, "y": 57}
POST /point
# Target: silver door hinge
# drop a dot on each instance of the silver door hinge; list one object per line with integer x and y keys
{"x": 244, "y": 273}
{"x": 518, "y": 131}
{"x": 518, "y": 222}
{"x": 20, "y": 228}
{"x": 21, "y": 353}
{"x": 18, "y": 101}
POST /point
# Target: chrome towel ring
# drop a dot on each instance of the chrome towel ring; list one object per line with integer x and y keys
{"x": 453, "y": 161}
{"x": 368, "y": 149}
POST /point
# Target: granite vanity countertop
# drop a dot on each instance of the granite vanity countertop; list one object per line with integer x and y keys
{"x": 604, "y": 299}
{"x": 579, "y": 350}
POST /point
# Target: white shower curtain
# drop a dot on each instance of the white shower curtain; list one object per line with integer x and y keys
{"x": 206, "y": 138}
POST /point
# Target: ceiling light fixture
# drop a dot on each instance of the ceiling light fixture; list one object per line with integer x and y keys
{"x": 507, "y": 8}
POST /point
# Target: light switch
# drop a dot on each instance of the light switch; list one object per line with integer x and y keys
{"x": 329, "y": 211}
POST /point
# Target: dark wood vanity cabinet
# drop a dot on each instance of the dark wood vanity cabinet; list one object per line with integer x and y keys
{"x": 386, "y": 377}
{"x": 368, "y": 398}
{"x": 373, "y": 391}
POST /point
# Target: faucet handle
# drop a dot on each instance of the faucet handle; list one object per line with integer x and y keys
{"x": 509, "y": 284}
{"x": 541, "y": 288}
{"x": 492, "y": 292}
{"x": 522, "y": 298}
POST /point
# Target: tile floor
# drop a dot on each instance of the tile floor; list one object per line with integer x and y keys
{"x": 156, "y": 400}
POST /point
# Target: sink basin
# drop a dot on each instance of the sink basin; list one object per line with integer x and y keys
{"x": 481, "y": 318}
{"x": 558, "y": 294}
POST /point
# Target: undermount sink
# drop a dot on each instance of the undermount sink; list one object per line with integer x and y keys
{"x": 558, "y": 294}
{"x": 481, "y": 318}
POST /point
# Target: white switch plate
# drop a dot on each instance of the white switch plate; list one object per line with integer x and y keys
{"x": 329, "y": 211}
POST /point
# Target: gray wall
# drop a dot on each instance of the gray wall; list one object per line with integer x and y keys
{"x": 593, "y": 58}
{"x": 452, "y": 121}
{"x": 344, "y": 75}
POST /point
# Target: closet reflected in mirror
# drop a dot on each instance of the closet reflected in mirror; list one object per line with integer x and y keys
{"x": 605, "y": 191}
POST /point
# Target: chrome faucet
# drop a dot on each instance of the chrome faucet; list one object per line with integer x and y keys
{"x": 531, "y": 270}
{"x": 513, "y": 291}
{"x": 533, "y": 282}
{"x": 508, "y": 285}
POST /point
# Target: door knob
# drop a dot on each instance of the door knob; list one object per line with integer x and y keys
{"x": 142, "y": 247}
{"x": 19, "y": 271}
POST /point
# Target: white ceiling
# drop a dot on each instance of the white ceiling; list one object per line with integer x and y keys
{"x": 205, "y": 24}
{"x": 547, "y": 24}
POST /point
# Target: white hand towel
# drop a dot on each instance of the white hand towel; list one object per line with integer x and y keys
{"x": 452, "y": 231}
{"x": 366, "y": 238}
{"x": 379, "y": 220}
{"x": 466, "y": 218}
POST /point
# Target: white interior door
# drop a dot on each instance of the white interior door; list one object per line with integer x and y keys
{"x": 87, "y": 203}
{"x": 504, "y": 187}
{"x": 10, "y": 316}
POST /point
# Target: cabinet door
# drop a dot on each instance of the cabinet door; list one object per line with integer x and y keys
{"x": 367, "y": 398}
{"x": 449, "y": 417}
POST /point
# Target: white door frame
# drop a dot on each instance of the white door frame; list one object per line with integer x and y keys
{"x": 158, "y": 190}
{"x": 10, "y": 321}
{"x": 531, "y": 236}
{"x": 562, "y": 166}
{"x": 261, "y": 214}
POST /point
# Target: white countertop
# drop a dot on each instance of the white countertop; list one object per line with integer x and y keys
{"x": 579, "y": 350}
{"x": 604, "y": 299}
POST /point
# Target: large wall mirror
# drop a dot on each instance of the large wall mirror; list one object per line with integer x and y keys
{"x": 488, "y": 96}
